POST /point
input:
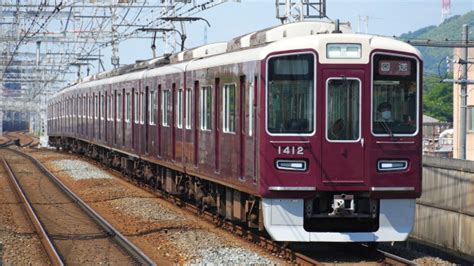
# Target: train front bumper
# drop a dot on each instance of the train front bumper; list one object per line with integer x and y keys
{"x": 284, "y": 221}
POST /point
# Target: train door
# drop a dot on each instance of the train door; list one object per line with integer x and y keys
{"x": 136, "y": 119}
{"x": 343, "y": 142}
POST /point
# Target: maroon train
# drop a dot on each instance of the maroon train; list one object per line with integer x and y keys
{"x": 309, "y": 134}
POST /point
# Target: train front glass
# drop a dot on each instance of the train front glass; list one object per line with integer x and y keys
{"x": 394, "y": 102}
{"x": 291, "y": 94}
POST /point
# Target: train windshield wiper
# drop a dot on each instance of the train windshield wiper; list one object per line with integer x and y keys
{"x": 386, "y": 127}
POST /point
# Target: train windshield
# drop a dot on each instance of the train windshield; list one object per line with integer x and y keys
{"x": 395, "y": 95}
{"x": 290, "y": 94}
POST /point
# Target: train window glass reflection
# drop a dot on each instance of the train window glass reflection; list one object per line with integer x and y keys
{"x": 250, "y": 106}
{"x": 128, "y": 107}
{"x": 152, "y": 108}
{"x": 118, "y": 105}
{"x": 142, "y": 108}
{"x": 136, "y": 108}
{"x": 206, "y": 107}
{"x": 189, "y": 106}
{"x": 165, "y": 108}
{"x": 290, "y": 94}
{"x": 395, "y": 95}
{"x": 96, "y": 107}
{"x": 179, "y": 109}
{"x": 228, "y": 108}
{"x": 102, "y": 107}
{"x": 343, "y": 109}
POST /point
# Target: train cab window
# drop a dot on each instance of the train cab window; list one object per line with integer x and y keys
{"x": 179, "y": 109}
{"x": 128, "y": 107}
{"x": 395, "y": 95}
{"x": 206, "y": 107}
{"x": 118, "y": 105}
{"x": 152, "y": 108}
{"x": 290, "y": 94}
{"x": 343, "y": 109}
{"x": 165, "y": 107}
{"x": 189, "y": 106}
{"x": 228, "y": 108}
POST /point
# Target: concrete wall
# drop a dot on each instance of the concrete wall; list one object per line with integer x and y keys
{"x": 445, "y": 211}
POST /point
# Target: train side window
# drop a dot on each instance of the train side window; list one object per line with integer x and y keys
{"x": 152, "y": 108}
{"x": 142, "y": 108}
{"x": 102, "y": 107}
{"x": 109, "y": 106}
{"x": 118, "y": 105}
{"x": 250, "y": 106}
{"x": 189, "y": 106}
{"x": 179, "y": 109}
{"x": 136, "y": 108}
{"x": 96, "y": 107}
{"x": 206, "y": 107}
{"x": 128, "y": 107}
{"x": 165, "y": 107}
{"x": 228, "y": 108}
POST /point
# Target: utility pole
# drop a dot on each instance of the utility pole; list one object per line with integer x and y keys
{"x": 462, "y": 126}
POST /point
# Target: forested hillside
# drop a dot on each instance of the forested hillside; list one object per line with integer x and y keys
{"x": 438, "y": 96}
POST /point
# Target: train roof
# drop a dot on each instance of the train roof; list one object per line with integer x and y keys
{"x": 253, "y": 46}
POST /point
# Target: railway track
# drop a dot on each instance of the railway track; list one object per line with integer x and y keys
{"x": 281, "y": 250}
{"x": 19, "y": 138}
{"x": 70, "y": 231}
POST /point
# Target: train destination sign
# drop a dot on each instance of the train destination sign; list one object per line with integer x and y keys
{"x": 395, "y": 67}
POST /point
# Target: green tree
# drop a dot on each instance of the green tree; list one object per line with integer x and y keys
{"x": 438, "y": 98}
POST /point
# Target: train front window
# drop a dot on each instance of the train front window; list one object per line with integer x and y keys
{"x": 290, "y": 94}
{"x": 395, "y": 95}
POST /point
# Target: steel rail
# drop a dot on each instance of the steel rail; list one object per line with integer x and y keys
{"x": 393, "y": 259}
{"x": 124, "y": 243}
{"x": 44, "y": 238}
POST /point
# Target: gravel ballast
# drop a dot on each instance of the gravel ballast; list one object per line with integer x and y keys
{"x": 79, "y": 170}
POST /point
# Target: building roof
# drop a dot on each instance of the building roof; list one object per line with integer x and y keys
{"x": 429, "y": 119}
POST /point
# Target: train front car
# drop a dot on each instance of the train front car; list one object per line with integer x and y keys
{"x": 340, "y": 138}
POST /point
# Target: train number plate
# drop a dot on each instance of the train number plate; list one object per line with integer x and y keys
{"x": 291, "y": 150}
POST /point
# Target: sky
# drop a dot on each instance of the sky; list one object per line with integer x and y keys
{"x": 231, "y": 19}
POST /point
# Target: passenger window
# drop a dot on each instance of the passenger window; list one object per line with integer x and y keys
{"x": 102, "y": 107}
{"x": 206, "y": 107}
{"x": 136, "y": 108}
{"x": 189, "y": 106}
{"x": 128, "y": 106}
{"x": 152, "y": 108}
{"x": 165, "y": 108}
{"x": 142, "y": 108}
{"x": 228, "y": 108}
{"x": 118, "y": 104}
{"x": 96, "y": 107}
{"x": 250, "y": 106}
{"x": 179, "y": 109}
{"x": 343, "y": 109}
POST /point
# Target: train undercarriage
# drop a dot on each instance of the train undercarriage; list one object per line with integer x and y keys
{"x": 227, "y": 202}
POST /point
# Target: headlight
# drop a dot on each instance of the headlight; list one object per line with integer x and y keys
{"x": 392, "y": 165}
{"x": 291, "y": 165}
